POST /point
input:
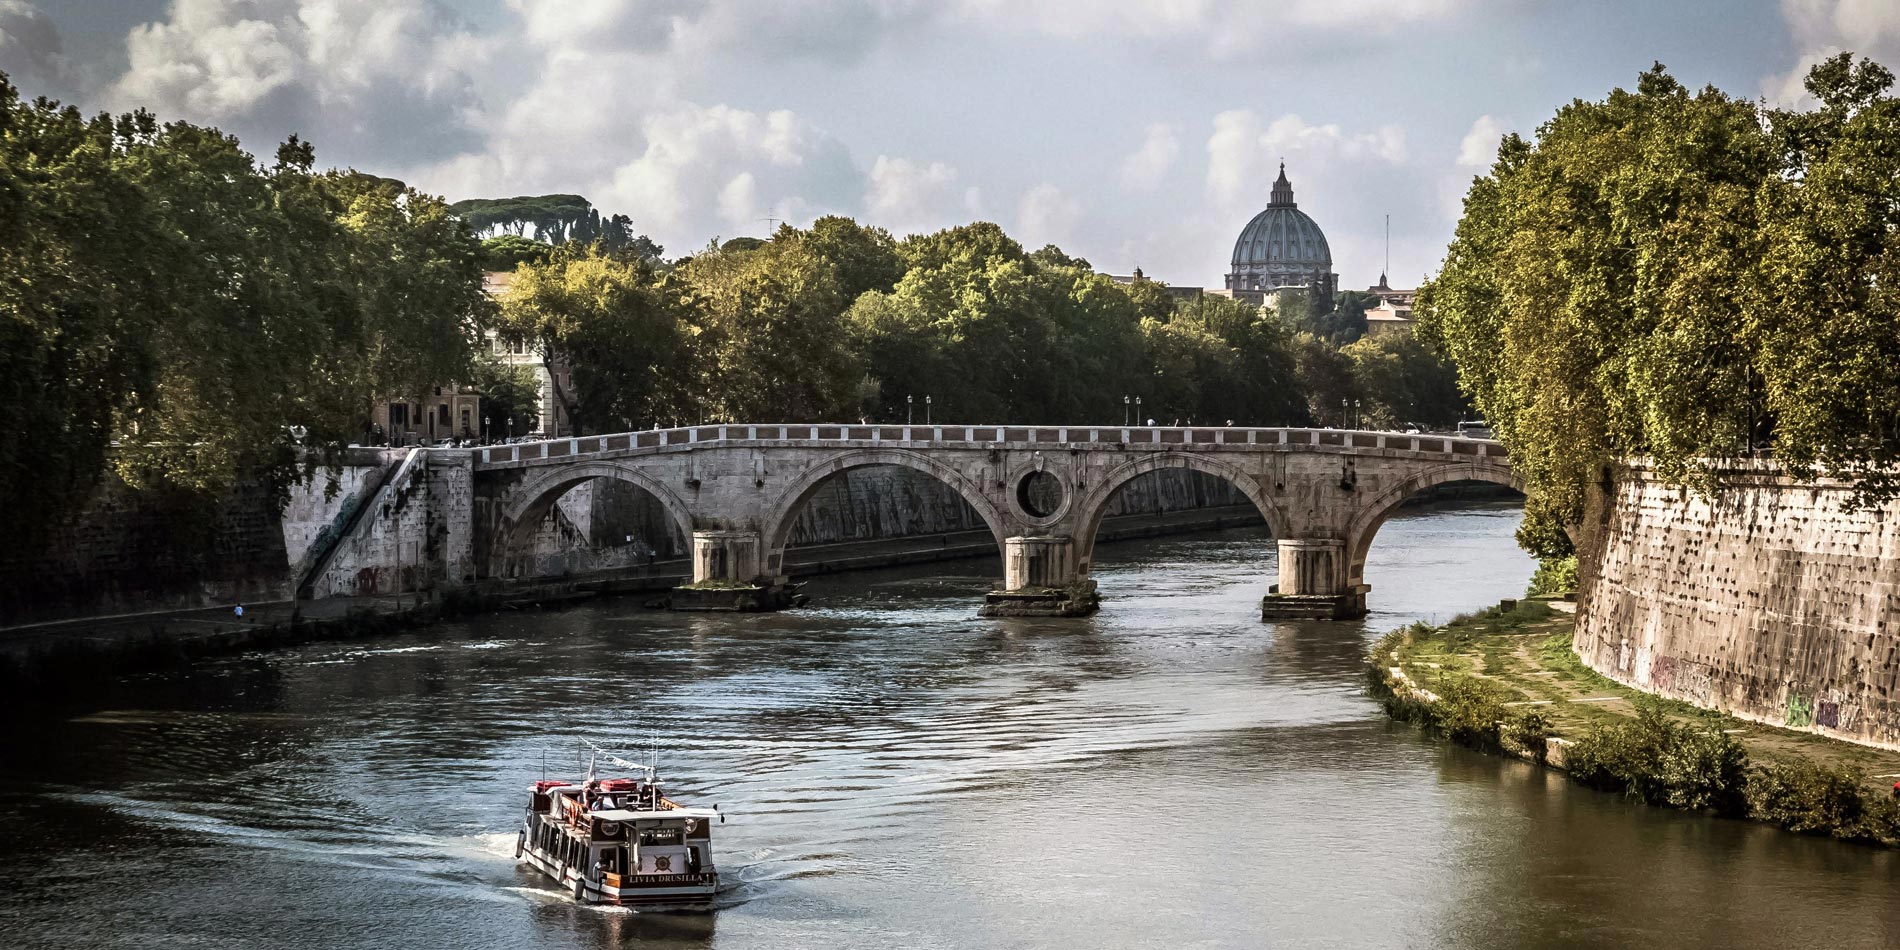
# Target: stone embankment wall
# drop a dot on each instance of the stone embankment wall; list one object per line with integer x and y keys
{"x": 129, "y": 551}
{"x": 1772, "y": 601}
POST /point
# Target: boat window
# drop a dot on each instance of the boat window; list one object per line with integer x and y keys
{"x": 659, "y": 836}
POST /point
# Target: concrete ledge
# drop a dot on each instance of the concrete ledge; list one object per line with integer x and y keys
{"x": 1347, "y": 606}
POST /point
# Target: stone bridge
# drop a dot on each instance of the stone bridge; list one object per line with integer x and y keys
{"x": 736, "y": 490}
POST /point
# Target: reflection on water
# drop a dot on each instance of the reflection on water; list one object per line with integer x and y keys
{"x": 899, "y": 773}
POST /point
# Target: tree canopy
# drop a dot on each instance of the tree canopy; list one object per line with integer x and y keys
{"x": 164, "y": 292}
{"x": 1687, "y": 277}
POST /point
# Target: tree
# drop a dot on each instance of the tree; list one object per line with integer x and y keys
{"x": 554, "y": 219}
{"x": 1595, "y": 295}
{"x": 612, "y": 321}
{"x": 1325, "y": 380}
{"x": 863, "y": 258}
{"x": 79, "y": 243}
{"x": 996, "y": 334}
{"x": 507, "y": 251}
{"x": 1402, "y": 381}
{"x": 1339, "y": 326}
{"x": 510, "y": 394}
{"x": 770, "y": 340}
{"x": 1823, "y": 330}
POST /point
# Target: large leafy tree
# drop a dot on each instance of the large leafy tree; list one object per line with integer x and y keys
{"x": 1401, "y": 380}
{"x": 163, "y": 291}
{"x": 770, "y": 340}
{"x": 608, "y": 317}
{"x": 1594, "y": 295}
{"x": 996, "y": 334}
{"x": 1825, "y": 330}
{"x": 79, "y": 242}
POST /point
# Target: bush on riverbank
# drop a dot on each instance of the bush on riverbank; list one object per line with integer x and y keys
{"x": 1811, "y": 799}
{"x": 1661, "y": 762}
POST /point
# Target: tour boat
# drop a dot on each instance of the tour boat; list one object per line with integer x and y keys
{"x": 620, "y": 841}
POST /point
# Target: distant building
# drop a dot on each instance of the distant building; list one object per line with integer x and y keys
{"x": 1402, "y": 298}
{"x": 1282, "y": 248}
{"x": 1388, "y": 318}
{"x": 1178, "y": 293}
{"x": 445, "y": 412}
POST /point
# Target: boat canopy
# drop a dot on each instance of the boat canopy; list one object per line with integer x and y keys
{"x": 622, "y": 814}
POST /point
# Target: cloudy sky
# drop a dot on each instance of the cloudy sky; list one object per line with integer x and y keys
{"x": 1131, "y": 132}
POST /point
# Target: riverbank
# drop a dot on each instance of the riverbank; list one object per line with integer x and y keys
{"x": 1505, "y": 680}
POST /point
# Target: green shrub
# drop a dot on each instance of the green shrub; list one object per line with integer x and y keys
{"x": 1702, "y": 768}
{"x": 1470, "y": 711}
{"x": 1555, "y": 575}
{"x": 1810, "y": 799}
{"x": 1528, "y": 732}
{"x": 1662, "y": 763}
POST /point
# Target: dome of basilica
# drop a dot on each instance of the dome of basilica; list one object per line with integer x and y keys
{"x": 1282, "y": 247}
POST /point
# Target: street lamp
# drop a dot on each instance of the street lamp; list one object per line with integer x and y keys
{"x": 487, "y": 421}
{"x": 1137, "y": 408}
{"x": 1344, "y": 421}
{"x": 1356, "y": 421}
{"x": 1124, "y": 412}
{"x": 910, "y": 409}
{"x": 926, "y": 410}
{"x": 511, "y": 428}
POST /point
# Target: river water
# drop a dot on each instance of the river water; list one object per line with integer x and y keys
{"x": 1171, "y": 772}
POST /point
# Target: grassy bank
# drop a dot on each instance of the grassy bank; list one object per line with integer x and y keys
{"x": 1505, "y": 680}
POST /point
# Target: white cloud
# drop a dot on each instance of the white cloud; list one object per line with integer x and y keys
{"x": 1222, "y": 26}
{"x": 1479, "y": 148}
{"x": 1046, "y": 216}
{"x": 1823, "y": 28}
{"x": 1148, "y": 166}
{"x": 29, "y": 43}
{"x": 722, "y": 170}
{"x": 827, "y": 30}
{"x": 390, "y": 76}
{"x": 842, "y": 31}
{"x": 1241, "y": 153}
{"x": 907, "y": 196}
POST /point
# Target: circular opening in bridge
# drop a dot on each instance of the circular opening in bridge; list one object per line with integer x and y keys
{"x": 1040, "y": 494}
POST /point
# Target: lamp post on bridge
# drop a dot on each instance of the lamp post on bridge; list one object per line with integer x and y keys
{"x": 1356, "y": 421}
{"x": 487, "y": 421}
{"x": 1137, "y": 408}
{"x": 1124, "y": 412}
{"x": 926, "y": 410}
{"x": 910, "y": 409}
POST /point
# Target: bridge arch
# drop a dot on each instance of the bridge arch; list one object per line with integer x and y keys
{"x": 783, "y": 511}
{"x": 528, "y": 503}
{"x": 1374, "y": 511}
{"x": 1093, "y": 505}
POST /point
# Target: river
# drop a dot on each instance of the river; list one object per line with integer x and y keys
{"x": 1171, "y": 772}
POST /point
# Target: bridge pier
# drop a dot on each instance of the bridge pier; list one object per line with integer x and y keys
{"x": 727, "y": 576}
{"x": 726, "y": 556}
{"x": 1314, "y": 583}
{"x": 1040, "y": 579}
